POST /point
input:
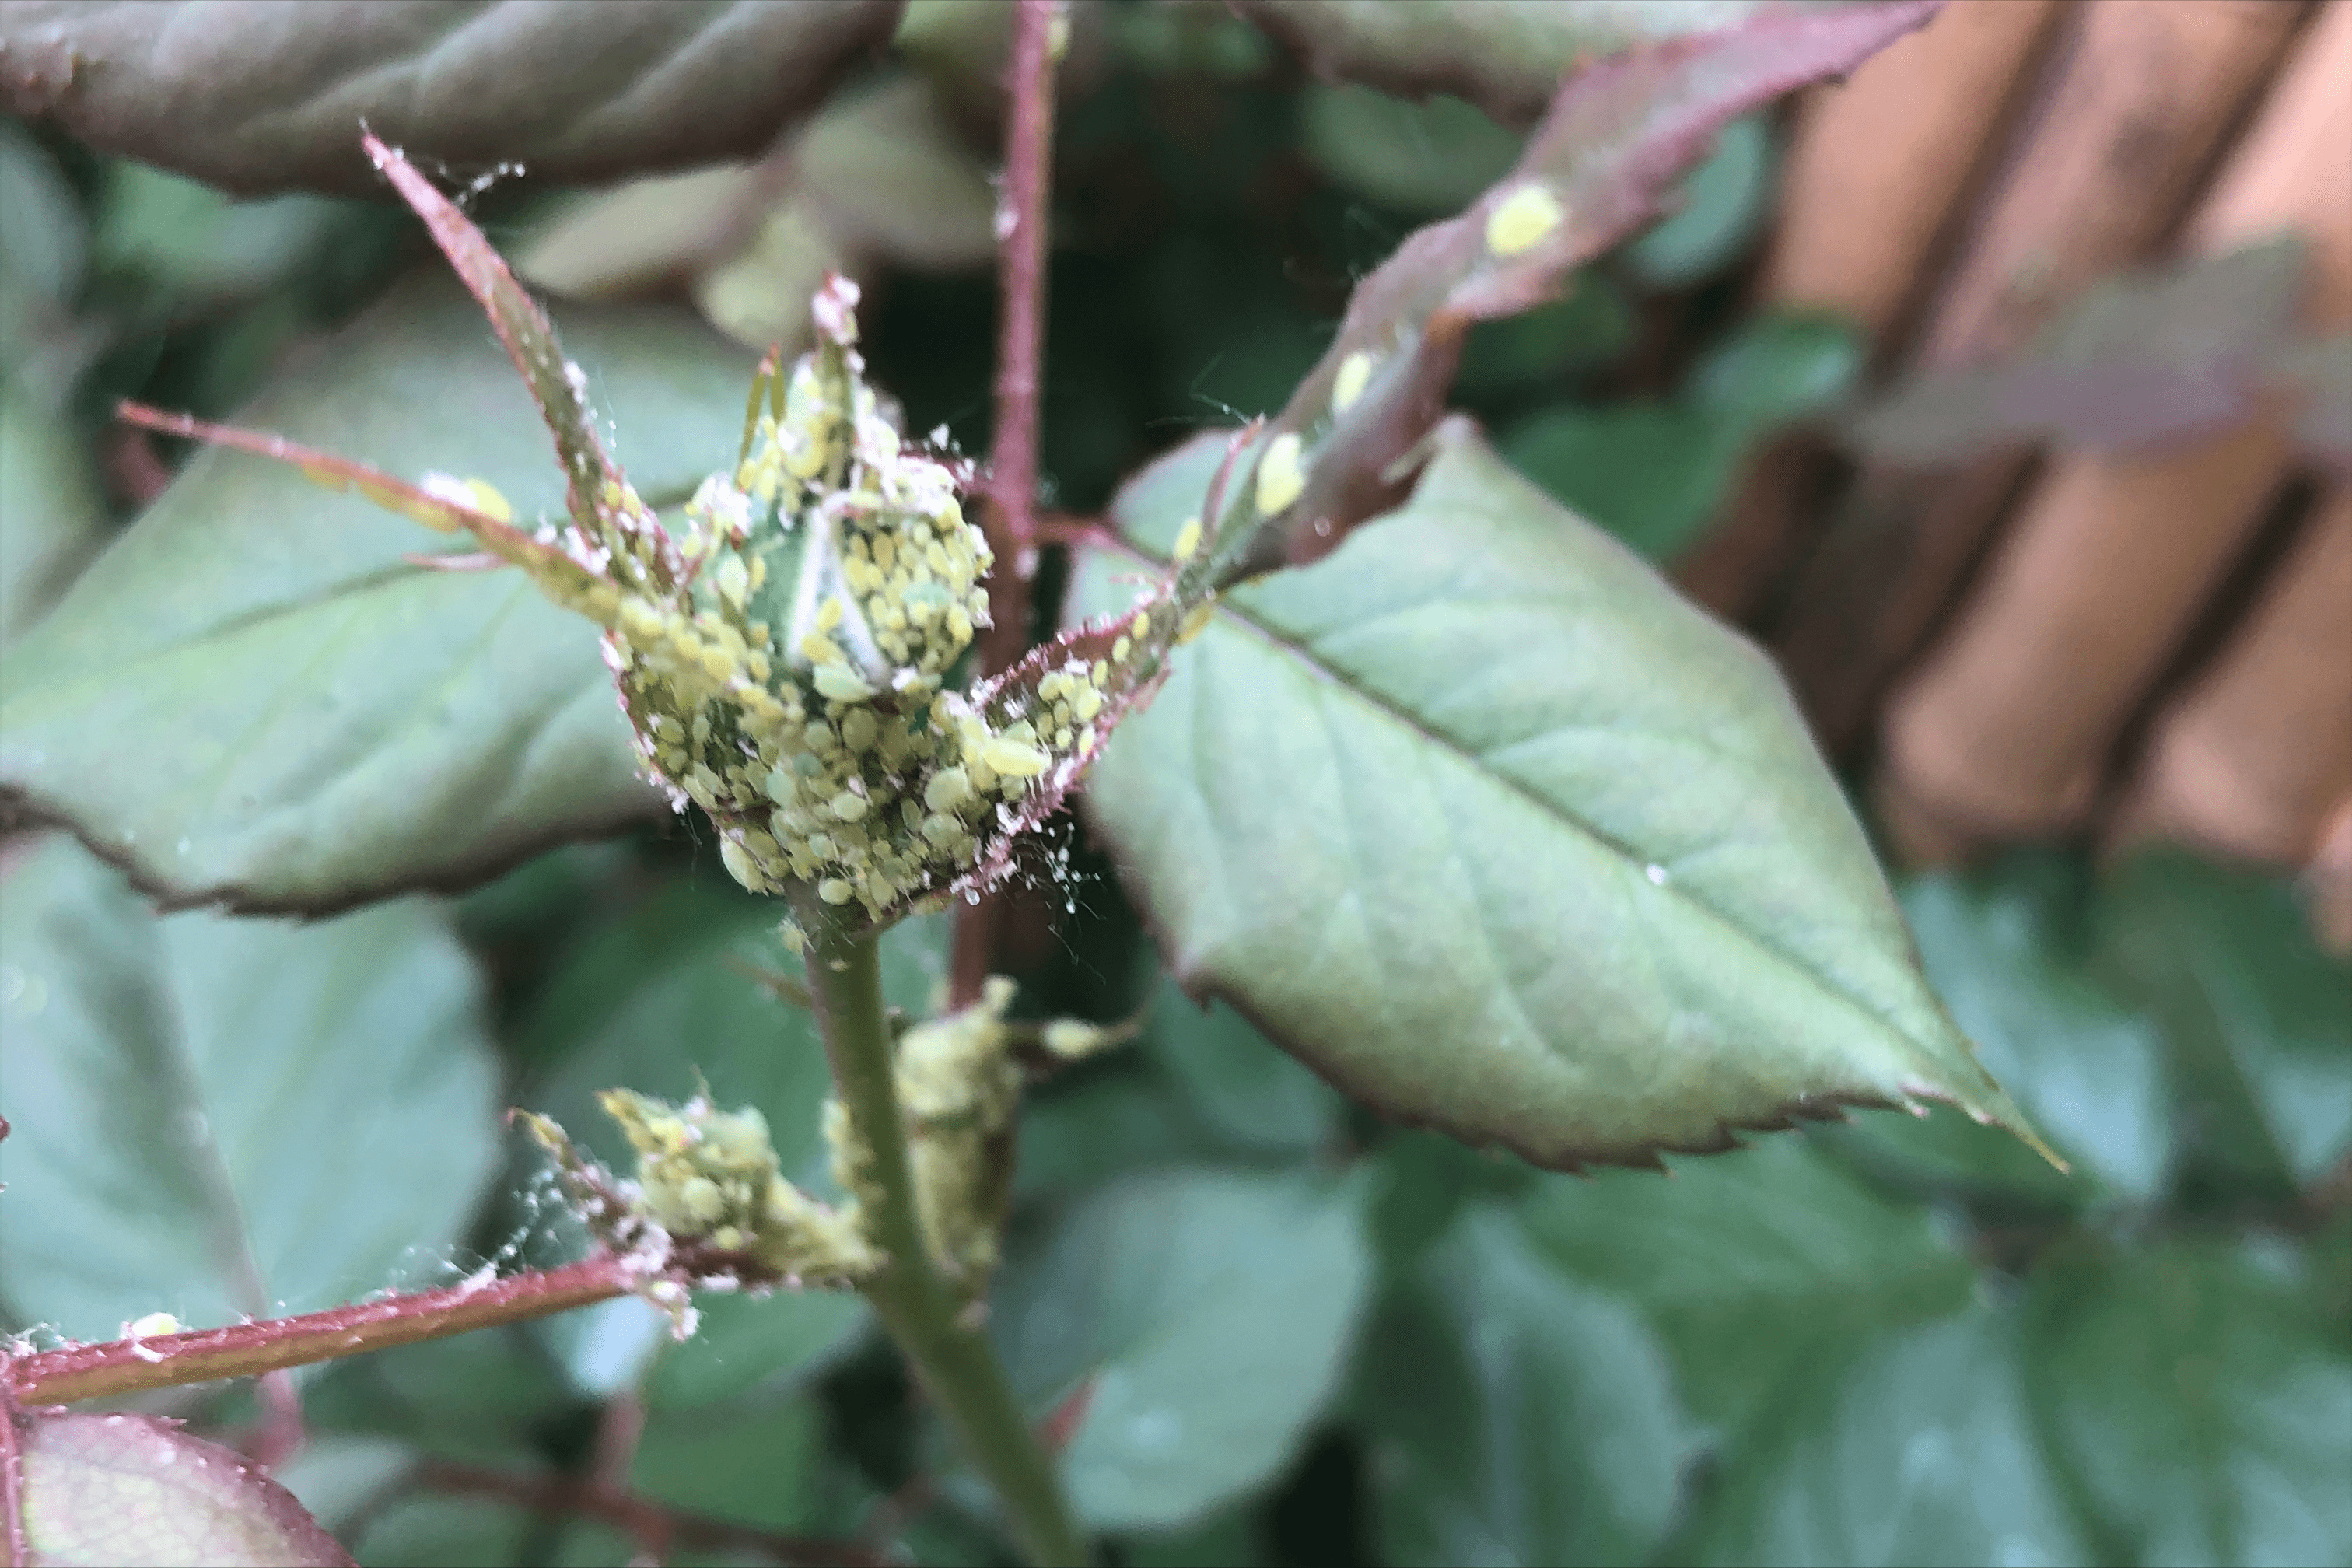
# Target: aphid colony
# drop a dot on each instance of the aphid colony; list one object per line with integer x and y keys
{"x": 797, "y": 695}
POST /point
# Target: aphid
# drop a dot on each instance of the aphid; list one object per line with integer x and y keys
{"x": 1519, "y": 222}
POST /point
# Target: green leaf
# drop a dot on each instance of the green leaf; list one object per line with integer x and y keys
{"x": 101, "y": 1490}
{"x": 742, "y": 1346}
{"x": 328, "y": 721}
{"x": 252, "y": 97}
{"x": 1229, "y": 1540}
{"x": 1123, "y": 1116}
{"x": 1424, "y": 159}
{"x": 1211, "y": 1315}
{"x": 1507, "y": 56}
{"x": 753, "y": 1466}
{"x": 1423, "y": 1181}
{"x": 1920, "y": 1451}
{"x": 1754, "y": 1266}
{"x": 1777, "y": 368}
{"x": 2201, "y": 1403}
{"x": 426, "y": 1530}
{"x": 1654, "y": 474}
{"x": 43, "y": 240}
{"x": 2253, "y": 1010}
{"x": 750, "y": 1347}
{"x": 1651, "y": 474}
{"x": 1487, "y": 825}
{"x": 1515, "y": 1416}
{"x": 191, "y": 246}
{"x": 1723, "y": 202}
{"x": 217, "y": 1117}
{"x": 1237, "y": 1080}
{"x": 337, "y": 1478}
{"x": 483, "y": 1397}
{"x": 49, "y": 498}
{"x": 1549, "y": 346}
{"x": 2005, "y": 949}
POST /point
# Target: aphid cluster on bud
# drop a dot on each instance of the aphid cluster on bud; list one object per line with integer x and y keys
{"x": 712, "y": 1176}
{"x": 796, "y": 690}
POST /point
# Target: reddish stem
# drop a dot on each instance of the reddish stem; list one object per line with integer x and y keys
{"x": 250, "y": 1349}
{"x": 13, "y": 1547}
{"x": 1011, "y": 524}
{"x": 645, "y": 1522}
{"x": 281, "y": 1434}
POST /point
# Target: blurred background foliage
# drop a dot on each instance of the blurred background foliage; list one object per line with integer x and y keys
{"x": 1301, "y": 1335}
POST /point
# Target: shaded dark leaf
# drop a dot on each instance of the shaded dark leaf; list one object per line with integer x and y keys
{"x": 1506, "y": 56}
{"x": 1760, "y": 1270}
{"x": 1718, "y": 210}
{"x": 1515, "y": 1416}
{"x": 1238, "y": 1080}
{"x": 1213, "y": 1314}
{"x": 2258, "y": 1017}
{"x": 1422, "y": 159}
{"x": 1919, "y": 1449}
{"x": 2200, "y": 1402}
{"x": 54, "y": 516}
{"x": 254, "y": 95}
{"x": 2007, "y": 950}
{"x": 1649, "y": 473}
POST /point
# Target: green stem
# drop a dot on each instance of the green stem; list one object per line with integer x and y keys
{"x": 951, "y": 1358}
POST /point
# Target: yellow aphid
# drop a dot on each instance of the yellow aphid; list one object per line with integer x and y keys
{"x": 1520, "y": 221}
{"x": 828, "y": 615}
{"x": 1196, "y": 623}
{"x": 1280, "y": 475}
{"x": 488, "y": 501}
{"x": 949, "y": 788}
{"x": 1188, "y": 539}
{"x": 739, "y": 865}
{"x": 1355, "y": 375}
{"x": 819, "y": 649}
{"x": 1015, "y": 760}
{"x": 154, "y": 1325}
{"x": 732, "y": 579}
{"x": 837, "y": 683}
{"x": 834, "y": 890}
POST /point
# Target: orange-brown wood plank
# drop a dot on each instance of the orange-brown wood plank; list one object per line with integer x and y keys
{"x": 2006, "y": 731}
{"x": 2138, "y": 109}
{"x": 1876, "y": 172}
{"x": 2253, "y": 758}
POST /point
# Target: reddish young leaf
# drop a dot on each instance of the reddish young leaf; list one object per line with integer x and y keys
{"x": 601, "y": 501}
{"x": 105, "y": 1489}
{"x": 1601, "y": 166}
{"x": 505, "y": 543}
